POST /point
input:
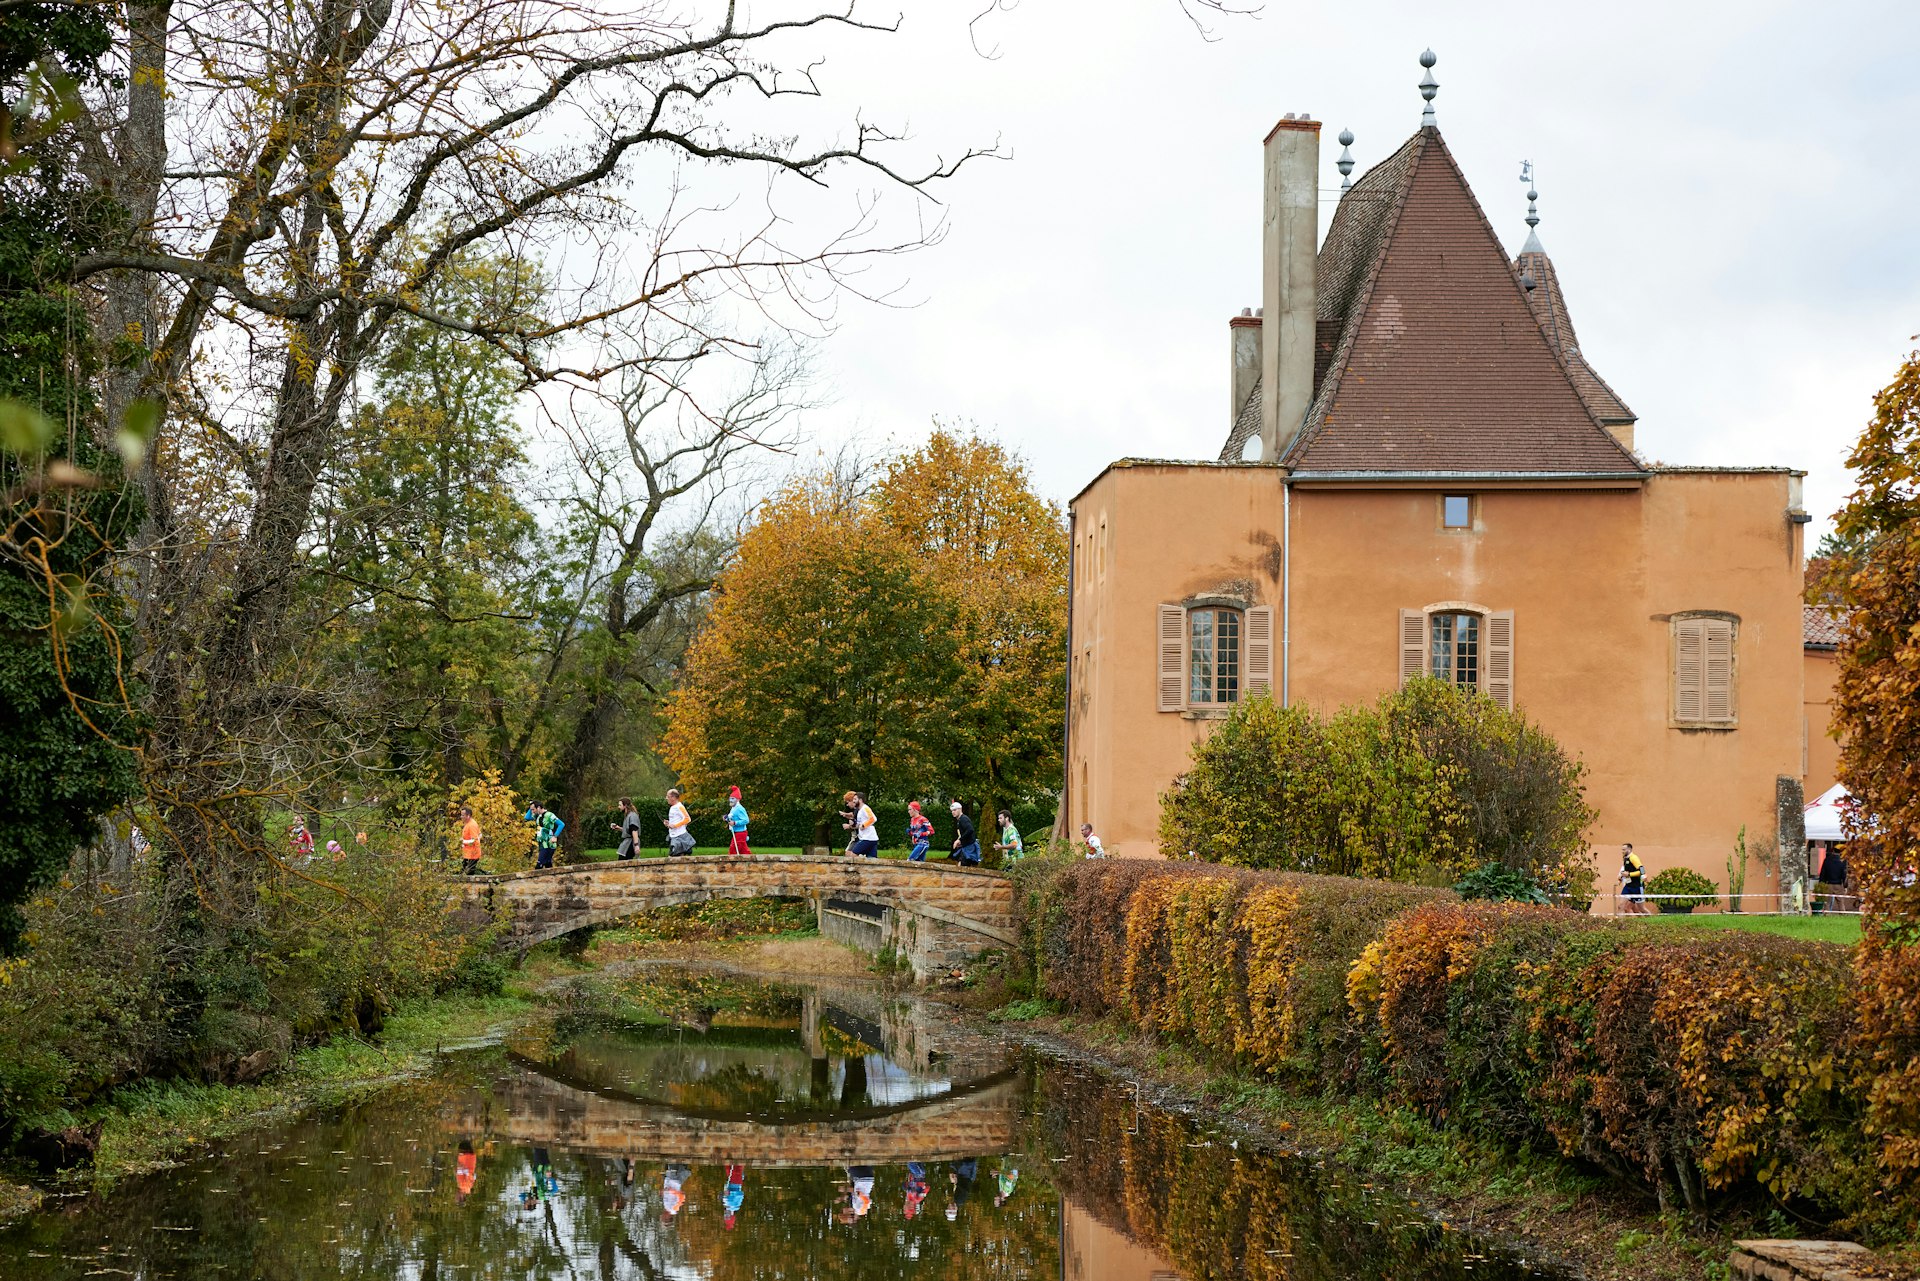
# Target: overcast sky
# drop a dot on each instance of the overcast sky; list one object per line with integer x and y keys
{"x": 1728, "y": 191}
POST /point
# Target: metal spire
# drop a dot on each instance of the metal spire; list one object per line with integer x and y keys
{"x": 1533, "y": 213}
{"x": 1428, "y": 87}
{"x": 1345, "y": 163}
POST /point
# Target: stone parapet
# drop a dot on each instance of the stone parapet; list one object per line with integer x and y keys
{"x": 1802, "y": 1261}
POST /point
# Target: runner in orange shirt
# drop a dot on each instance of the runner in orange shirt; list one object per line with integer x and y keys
{"x": 469, "y": 842}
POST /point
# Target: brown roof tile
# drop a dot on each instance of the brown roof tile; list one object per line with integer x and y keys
{"x": 1549, "y": 305}
{"x": 1820, "y": 627}
{"x": 1442, "y": 366}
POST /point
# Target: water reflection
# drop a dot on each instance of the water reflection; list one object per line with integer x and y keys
{"x": 766, "y": 1132}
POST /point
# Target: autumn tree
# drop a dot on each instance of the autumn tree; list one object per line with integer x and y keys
{"x": 997, "y": 553}
{"x": 822, "y": 666}
{"x": 1877, "y": 716}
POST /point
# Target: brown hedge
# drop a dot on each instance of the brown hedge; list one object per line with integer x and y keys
{"x": 1694, "y": 1064}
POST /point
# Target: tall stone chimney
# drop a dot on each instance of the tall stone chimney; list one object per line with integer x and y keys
{"x": 1290, "y": 243}
{"x": 1244, "y": 330}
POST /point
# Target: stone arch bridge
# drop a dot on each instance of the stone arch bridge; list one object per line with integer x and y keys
{"x": 935, "y": 915}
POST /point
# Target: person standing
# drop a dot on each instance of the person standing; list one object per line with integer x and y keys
{"x": 546, "y": 835}
{"x": 469, "y": 842}
{"x": 737, "y": 821}
{"x": 919, "y": 833}
{"x": 863, "y": 824}
{"x": 679, "y": 825}
{"x": 966, "y": 841}
{"x": 1094, "y": 848}
{"x": 1010, "y": 845}
{"x": 1633, "y": 881}
{"x": 302, "y": 839}
{"x": 629, "y": 829}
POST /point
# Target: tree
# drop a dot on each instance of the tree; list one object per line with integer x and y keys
{"x": 296, "y": 179}
{"x": 997, "y": 552}
{"x": 1877, "y": 715}
{"x": 428, "y": 548}
{"x": 65, "y": 724}
{"x": 821, "y": 665}
{"x": 1433, "y": 780}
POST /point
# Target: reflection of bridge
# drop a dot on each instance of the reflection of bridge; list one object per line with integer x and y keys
{"x": 934, "y": 914}
{"x": 530, "y": 1109}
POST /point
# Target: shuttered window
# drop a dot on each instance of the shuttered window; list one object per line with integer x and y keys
{"x": 1703, "y": 672}
{"x": 1462, "y": 647}
{"x": 1211, "y": 656}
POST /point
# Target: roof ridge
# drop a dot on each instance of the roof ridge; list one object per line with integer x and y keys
{"x": 1349, "y": 325}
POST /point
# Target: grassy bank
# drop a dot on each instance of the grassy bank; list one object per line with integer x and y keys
{"x": 1819, "y": 928}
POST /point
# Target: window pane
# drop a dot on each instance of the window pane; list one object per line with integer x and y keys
{"x": 1226, "y": 663}
{"x": 1200, "y": 648}
{"x": 1456, "y": 648}
{"x": 1457, "y": 511}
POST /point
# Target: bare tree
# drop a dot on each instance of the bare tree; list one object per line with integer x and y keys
{"x": 297, "y": 176}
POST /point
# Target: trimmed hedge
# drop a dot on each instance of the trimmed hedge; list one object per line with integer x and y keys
{"x": 1695, "y": 1065}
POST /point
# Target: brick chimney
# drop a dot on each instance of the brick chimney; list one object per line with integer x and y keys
{"x": 1244, "y": 330}
{"x": 1290, "y": 242}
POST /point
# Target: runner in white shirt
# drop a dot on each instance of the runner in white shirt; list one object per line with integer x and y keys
{"x": 1094, "y": 848}
{"x": 679, "y": 839}
{"x": 861, "y": 820}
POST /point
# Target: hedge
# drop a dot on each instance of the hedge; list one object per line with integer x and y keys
{"x": 1695, "y": 1065}
{"x": 790, "y": 827}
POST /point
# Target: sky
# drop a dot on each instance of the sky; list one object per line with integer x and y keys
{"x": 1728, "y": 192}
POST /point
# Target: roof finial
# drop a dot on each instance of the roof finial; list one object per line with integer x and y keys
{"x": 1533, "y": 213}
{"x": 1428, "y": 87}
{"x": 1345, "y": 163}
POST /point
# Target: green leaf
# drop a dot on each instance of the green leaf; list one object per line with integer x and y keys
{"x": 24, "y": 429}
{"x": 143, "y": 419}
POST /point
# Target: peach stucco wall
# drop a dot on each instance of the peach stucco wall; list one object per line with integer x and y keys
{"x": 1823, "y": 751}
{"x": 1592, "y": 576}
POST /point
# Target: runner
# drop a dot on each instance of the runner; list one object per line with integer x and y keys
{"x": 469, "y": 842}
{"x": 1633, "y": 881}
{"x": 673, "y": 1193}
{"x": 916, "y": 1187}
{"x": 1010, "y": 845}
{"x": 861, "y": 822}
{"x": 966, "y": 842}
{"x": 736, "y": 1193}
{"x": 629, "y": 829}
{"x": 679, "y": 838}
{"x": 737, "y": 821}
{"x": 466, "y": 1168}
{"x": 546, "y": 834}
{"x": 1094, "y": 848}
{"x": 919, "y": 833}
{"x": 302, "y": 839}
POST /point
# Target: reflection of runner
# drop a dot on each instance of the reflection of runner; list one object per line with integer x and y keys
{"x": 672, "y": 1193}
{"x": 736, "y": 1193}
{"x": 1008, "y": 1178}
{"x": 466, "y": 1168}
{"x": 961, "y": 1178}
{"x": 916, "y": 1187}
{"x": 859, "y": 1193}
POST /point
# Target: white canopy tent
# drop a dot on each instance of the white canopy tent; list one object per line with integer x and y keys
{"x": 1824, "y": 815}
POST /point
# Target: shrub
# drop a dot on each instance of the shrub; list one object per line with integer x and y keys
{"x": 1432, "y": 780}
{"x": 1494, "y": 883}
{"x": 1689, "y": 888}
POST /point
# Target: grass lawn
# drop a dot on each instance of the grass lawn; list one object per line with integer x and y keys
{"x": 1824, "y": 928}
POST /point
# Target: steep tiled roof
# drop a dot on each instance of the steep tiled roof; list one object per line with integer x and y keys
{"x": 1549, "y": 305}
{"x": 1430, "y": 357}
{"x": 1819, "y": 627}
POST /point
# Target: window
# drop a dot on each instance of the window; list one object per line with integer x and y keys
{"x": 1703, "y": 671}
{"x": 1456, "y": 648}
{"x": 1211, "y": 652}
{"x": 1462, "y": 643}
{"x": 1213, "y": 656}
{"x": 1456, "y": 511}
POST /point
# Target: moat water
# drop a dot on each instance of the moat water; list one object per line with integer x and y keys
{"x": 686, "y": 1124}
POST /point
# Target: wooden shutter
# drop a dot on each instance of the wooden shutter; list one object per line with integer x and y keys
{"x": 1413, "y": 645}
{"x": 1716, "y": 671}
{"x": 1689, "y": 669}
{"x": 1173, "y": 658}
{"x": 1500, "y": 657}
{"x": 1259, "y": 673}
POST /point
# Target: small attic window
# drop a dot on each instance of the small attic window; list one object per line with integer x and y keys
{"x": 1456, "y": 511}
